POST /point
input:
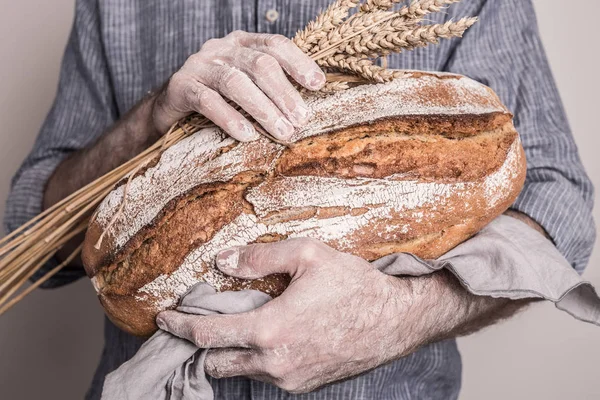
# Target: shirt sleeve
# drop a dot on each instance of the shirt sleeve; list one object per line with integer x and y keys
{"x": 504, "y": 51}
{"x": 82, "y": 110}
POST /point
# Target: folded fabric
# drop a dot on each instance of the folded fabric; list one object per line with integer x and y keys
{"x": 511, "y": 260}
{"x": 506, "y": 259}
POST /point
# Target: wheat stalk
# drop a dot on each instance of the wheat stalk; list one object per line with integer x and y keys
{"x": 347, "y": 47}
{"x": 373, "y": 20}
{"x": 385, "y": 43}
{"x": 362, "y": 67}
{"x": 316, "y": 29}
{"x": 372, "y": 5}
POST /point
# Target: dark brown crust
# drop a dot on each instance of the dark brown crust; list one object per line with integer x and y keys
{"x": 186, "y": 222}
{"x": 348, "y": 154}
{"x": 137, "y": 317}
{"x": 378, "y": 151}
{"x": 443, "y": 149}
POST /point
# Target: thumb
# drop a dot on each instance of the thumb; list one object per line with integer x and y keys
{"x": 291, "y": 256}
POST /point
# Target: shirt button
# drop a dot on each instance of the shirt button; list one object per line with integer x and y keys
{"x": 272, "y": 15}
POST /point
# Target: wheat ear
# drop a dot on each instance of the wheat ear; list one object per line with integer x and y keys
{"x": 333, "y": 16}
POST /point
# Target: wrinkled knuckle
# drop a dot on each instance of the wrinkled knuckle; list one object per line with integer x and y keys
{"x": 211, "y": 43}
{"x": 266, "y": 337}
{"x": 191, "y": 93}
{"x": 199, "y": 336}
{"x": 310, "y": 250}
{"x": 264, "y": 63}
{"x": 193, "y": 61}
{"x": 277, "y": 41}
{"x": 255, "y": 256}
{"x": 205, "y": 96}
{"x": 231, "y": 81}
{"x": 211, "y": 367}
{"x": 214, "y": 372}
{"x": 291, "y": 92}
{"x": 178, "y": 82}
{"x": 215, "y": 367}
{"x": 290, "y": 385}
{"x": 277, "y": 368}
{"x": 235, "y": 35}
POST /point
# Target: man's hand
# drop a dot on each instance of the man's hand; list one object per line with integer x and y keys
{"x": 338, "y": 318}
{"x": 246, "y": 68}
{"x": 249, "y": 69}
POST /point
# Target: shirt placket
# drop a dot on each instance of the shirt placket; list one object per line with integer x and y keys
{"x": 268, "y": 14}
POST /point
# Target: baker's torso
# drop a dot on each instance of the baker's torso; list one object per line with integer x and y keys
{"x": 145, "y": 42}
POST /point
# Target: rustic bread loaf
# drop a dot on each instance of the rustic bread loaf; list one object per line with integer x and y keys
{"x": 416, "y": 165}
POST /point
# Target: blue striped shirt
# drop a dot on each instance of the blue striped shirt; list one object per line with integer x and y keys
{"x": 119, "y": 50}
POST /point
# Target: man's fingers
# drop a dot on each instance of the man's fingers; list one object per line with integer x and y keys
{"x": 248, "y": 69}
{"x": 268, "y": 75}
{"x": 238, "y": 87}
{"x": 194, "y": 96}
{"x": 259, "y": 260}
{"x": 293, "y": 60}
{"x": 225, "y": 363}
{"x": 214, "y": 107}
{"x": 213, "y": 331}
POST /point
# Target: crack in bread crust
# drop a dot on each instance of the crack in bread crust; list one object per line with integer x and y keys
{"x": 207, "y": 208}
{"x": 463, "y": 159}
{"x": 417, "y": 183}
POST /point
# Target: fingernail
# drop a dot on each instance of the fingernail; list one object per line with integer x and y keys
{"x": 284, "y": 128}
{"x": 301, "y": 114}
{"x": 245, "y": 130}
{"x": 317, "y": 80}
{"x": 227, "y": 260}
{"x": 249, "y": 131}
{"x": 161, "y": 322}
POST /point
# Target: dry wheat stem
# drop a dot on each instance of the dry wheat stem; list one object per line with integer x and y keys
{"x": 326, "y": 21}
{"x": 38, "y": 283}
{"x": 371, "y": 5}
{"x": 12, "y": 289}
{"x": 40, "y": 242}
{"x": 362, "y": 67}
{"x": 119, "y": 212}
{"x": 368, "y": 21}
{"x": 418, "y": 37}
{"x": 26, "y": 270}
{"x": 346, "y": 46}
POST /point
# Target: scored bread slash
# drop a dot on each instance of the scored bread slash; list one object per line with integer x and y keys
{"x": 419, "y": 164}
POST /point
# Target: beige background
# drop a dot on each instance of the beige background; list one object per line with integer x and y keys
{"x": 50, "y": 343}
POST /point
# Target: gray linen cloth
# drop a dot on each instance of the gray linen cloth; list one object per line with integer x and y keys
{"x": 506, "y": 259}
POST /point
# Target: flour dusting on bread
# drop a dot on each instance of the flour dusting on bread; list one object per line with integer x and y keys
{"x": 407, "y": 96}
{"x": 415, "y": 165}
{"x": 382, "y": 197}
{"x": 187, "y": 163}
{"x": 180, "y": 168}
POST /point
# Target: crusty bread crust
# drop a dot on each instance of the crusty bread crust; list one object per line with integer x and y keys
{"x": 417, "y": 165}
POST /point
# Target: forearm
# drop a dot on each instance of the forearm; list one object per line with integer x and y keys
{"x": 127, "y": 138}
{"x": 445, "y": 309}
{"x": 530, "y": 222}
